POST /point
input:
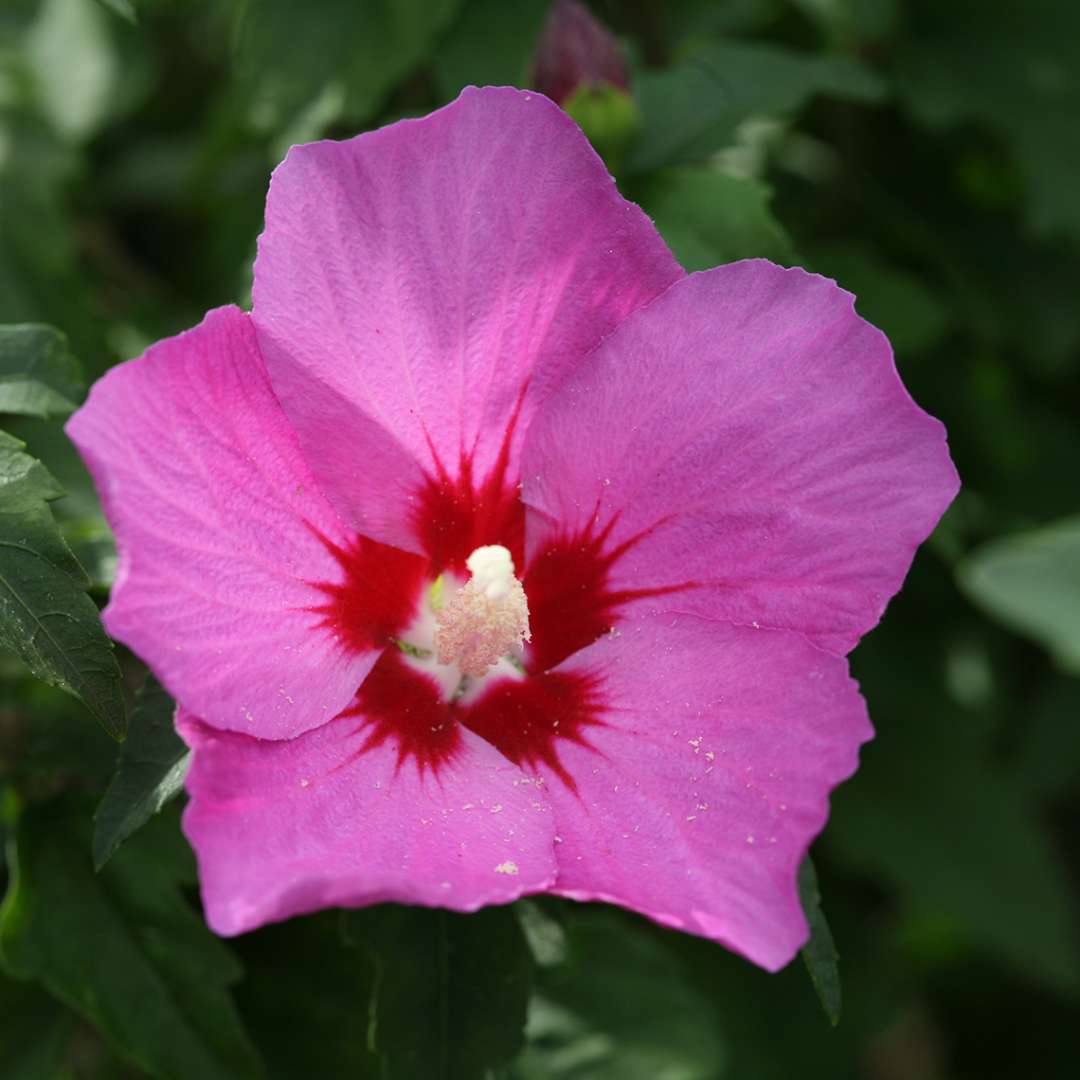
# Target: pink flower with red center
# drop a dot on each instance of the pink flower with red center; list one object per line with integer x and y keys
{"x": 492, "y": 554}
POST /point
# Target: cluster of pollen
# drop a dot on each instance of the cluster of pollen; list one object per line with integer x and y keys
{"x": 486, "y": 618}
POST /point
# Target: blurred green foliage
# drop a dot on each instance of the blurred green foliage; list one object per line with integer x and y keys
{"x": 925, "y": 154}
{"x": 150, "y": 771}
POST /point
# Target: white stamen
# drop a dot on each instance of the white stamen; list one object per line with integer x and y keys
{"x": 492, "y": 571}
{"x": 486, "y": 618}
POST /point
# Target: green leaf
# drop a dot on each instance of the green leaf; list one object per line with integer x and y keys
{"x": 1012, "y": 69}
{"x": 709, "y": 218}
{"x": 963, "y": 844}
{"x": 619, "y": 1008}
{"x": 451, "y": 990}
{"x": 24, "y": 481}
{"x": 79, "y": 514}
{"x": 46, "y": 744}
{"x": 305, "y": 1000}
{"x": 38, "y": 376}
{"x": 1032, "y": 583}
{"x": 45, "y": 614}
{"x": 819, "y": 953}
{"x": 851, "y": 22}
{"x": 75, "y": 65}
{"x": 354, "y": 50}
{"x": 150, "y": 771}
{"x": 35, "y": 1031}
{"x": 490, "y": 44}
{"x": 123, "y": 948}
{"x": 693, "y": 108}
{"x": 897, "y": 302}
{"x": 1048, "y": 764}
{"x": 124, "y": 8}
{"x": 40, "y": 279}
{"x": 544, "y": 933}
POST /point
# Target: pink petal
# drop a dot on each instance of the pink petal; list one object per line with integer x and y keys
{"x": 348, "y": 815}
{"x": 422, "y": 287}
{"x": 747, "y": 440}
{"x": 704, "y": 776}
{"x": 223, "y": 535}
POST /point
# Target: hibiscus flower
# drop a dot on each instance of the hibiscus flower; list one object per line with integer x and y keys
{"x": 491, "y": 554}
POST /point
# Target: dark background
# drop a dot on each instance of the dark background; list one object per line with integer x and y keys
{"x": 927, "y": 155}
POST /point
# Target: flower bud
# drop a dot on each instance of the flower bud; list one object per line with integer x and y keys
{"x": 576, "y": 50}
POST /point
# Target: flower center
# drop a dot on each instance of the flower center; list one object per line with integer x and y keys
{"x": 486, "y": 618}
{"x": 475, "y": 632}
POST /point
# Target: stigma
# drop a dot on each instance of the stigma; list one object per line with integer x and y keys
{"x": 487, "y": 618}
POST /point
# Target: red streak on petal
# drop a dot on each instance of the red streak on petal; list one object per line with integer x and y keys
{"x": 456, "y": 515}
{"x": 397, "y": 702}
{"x": 525, "y": 719}
{"x": 571, "y": 602}
{"x": 377, "y": 597}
